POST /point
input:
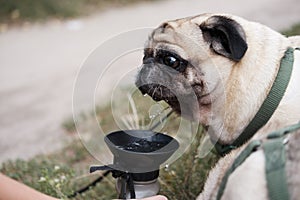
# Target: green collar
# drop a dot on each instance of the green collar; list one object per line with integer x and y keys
{"x": 268, "y": 107}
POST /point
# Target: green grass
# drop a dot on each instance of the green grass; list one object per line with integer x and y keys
{"x": 18, "y": 11}
{"x": 186, "y": 177}
{"x": 294, "y": 30}
{"x": 42, "y": 174}
{"x": 61, "y": 173}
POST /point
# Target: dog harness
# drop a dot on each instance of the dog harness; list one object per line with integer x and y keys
{"x": 269, "y": 105}
{"x": 275, "y": 158}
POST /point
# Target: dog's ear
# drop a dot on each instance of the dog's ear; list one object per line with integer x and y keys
{"x": 226, "y": 37}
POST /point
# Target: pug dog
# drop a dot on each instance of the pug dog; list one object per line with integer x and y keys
{"x": 218, "y": 69}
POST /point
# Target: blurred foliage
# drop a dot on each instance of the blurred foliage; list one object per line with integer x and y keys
{"x": 294, "y": 30}
{"x": 61, "y": 173}
{"x": 41, "y": 174}
{"x": 12, "y": 11}
{"x": 185, "y": 178}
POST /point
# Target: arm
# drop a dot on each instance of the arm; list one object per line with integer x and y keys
{"x": 13, "y": 190}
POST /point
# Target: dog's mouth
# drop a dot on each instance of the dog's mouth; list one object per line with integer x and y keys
{"x": 186, "y": 105}
{"x": 158, "y": 92}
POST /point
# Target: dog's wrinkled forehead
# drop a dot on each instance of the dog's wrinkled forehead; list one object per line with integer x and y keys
{"x": 185, "y": 26}
{"x": 176, "y": 36}
{"x": 219, "y": 33}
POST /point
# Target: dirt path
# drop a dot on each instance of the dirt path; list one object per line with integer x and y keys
{"x": 39, "y": 63}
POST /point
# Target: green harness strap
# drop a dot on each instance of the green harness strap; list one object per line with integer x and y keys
{"x": 252, "y": 146}
{"x": 274, "y": 149}
{"x": 275, "y": 158}
{"x": 268, "y": 107}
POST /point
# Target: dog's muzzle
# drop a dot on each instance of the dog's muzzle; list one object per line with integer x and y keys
{"x": 148, "y": 84}
{"x": 158, "y": 92}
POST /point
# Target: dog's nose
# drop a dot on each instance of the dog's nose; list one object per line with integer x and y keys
{"x": 148, "y": 60}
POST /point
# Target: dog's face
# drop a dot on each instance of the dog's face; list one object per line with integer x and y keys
{"x": 188, "y": 61}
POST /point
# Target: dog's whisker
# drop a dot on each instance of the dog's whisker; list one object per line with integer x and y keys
{"x": 153, "y": 93}
{"x": 161, "y": 93}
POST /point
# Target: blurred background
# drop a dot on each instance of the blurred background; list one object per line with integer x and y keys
{"x": 44, "y": 42}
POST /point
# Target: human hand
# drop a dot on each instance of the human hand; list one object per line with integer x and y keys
{"x": 158, "y": 197}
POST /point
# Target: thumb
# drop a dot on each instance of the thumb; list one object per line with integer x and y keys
{"x": 158, "y": 197}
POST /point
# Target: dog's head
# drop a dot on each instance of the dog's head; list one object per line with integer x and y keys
{"x": 186, "y": 62}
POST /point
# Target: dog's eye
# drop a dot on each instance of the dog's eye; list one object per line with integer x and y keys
{"x": 171, "y": 61}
